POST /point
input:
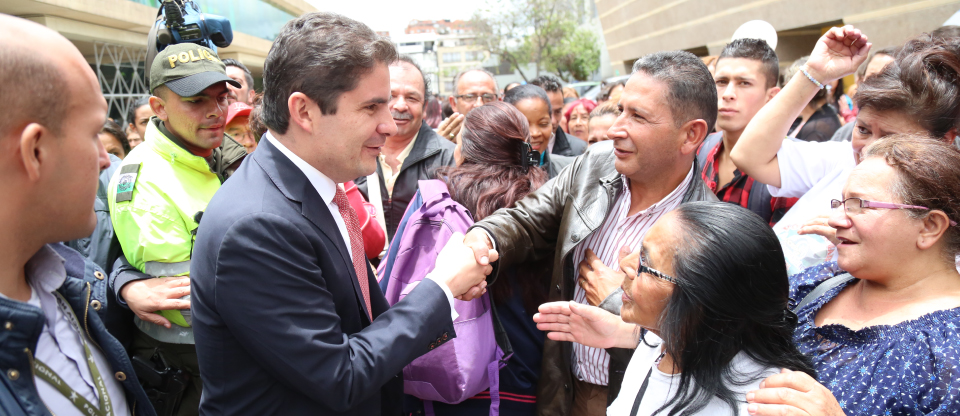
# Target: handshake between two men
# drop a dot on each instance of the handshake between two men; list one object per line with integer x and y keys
{"x": 464, "y": 266}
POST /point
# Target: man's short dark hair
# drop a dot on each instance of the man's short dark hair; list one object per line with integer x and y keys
{"x": 246, "y": 72}
{"x": 691, "y": 91}
{"x": 409, "y": 60}
{"x": 549, "y": 83}
{"x": 140, "y": 102}
{"x": 757, "y": 50}
{"x": 33, "y": 90}
{"x": 456, "y": 80}
{"x": 323, "y": 55}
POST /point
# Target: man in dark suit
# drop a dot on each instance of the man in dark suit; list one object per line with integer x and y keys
{"x": 283, "y": 324}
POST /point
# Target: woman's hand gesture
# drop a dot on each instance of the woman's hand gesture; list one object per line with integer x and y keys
{"x": 792, "y": 393}
{"x": 584, "y": 324}
{"x": 838, "y": 53}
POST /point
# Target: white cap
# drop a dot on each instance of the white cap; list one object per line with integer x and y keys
{"x": 757, "y": 29}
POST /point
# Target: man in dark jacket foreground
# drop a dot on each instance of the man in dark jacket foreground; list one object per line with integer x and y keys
{"x": 56, "y": 354}
{"x": 606, "y": 200}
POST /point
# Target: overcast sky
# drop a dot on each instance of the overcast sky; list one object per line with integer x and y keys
{"x": 394, "y": 15}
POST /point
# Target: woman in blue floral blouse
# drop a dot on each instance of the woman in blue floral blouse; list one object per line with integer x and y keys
{"x": 884, "y": 340}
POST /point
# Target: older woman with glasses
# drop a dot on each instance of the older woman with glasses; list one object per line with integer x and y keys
{"x": 880, "y": 324}
{"x": 705, "y": 305}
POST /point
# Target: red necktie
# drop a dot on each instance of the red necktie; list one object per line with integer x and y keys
{"x": 356, "y": 243}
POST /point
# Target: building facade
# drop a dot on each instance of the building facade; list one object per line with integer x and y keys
{"x": 422, "y": 47}
{"x": 456, "y": 53}
{"x": 633, "y": 28}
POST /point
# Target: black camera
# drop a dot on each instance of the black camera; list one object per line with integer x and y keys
{"x": 180, "y": 21}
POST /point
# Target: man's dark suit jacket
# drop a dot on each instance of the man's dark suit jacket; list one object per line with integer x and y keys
{"x": 280, "y": 324}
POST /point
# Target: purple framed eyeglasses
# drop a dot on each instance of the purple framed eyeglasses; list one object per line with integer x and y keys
{"x": 855, "y": 206}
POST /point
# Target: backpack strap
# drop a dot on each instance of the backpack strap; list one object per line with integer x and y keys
{"x": 390, "y": 256}
{"x": 822, "y": 288}
{"x": 504, "y": 353}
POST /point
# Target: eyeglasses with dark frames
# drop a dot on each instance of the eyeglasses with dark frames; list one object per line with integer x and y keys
{"x": 656, "y": 273}
{"x": 855, "y": 206}
{"x": 471, "y": 98}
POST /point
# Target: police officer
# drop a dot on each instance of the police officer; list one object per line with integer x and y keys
{"x": 158, "y": 196}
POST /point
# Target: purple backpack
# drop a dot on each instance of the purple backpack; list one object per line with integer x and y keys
{"x": 470, "y": 363}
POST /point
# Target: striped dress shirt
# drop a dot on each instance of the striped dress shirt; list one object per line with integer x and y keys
{"x": 618, "y": 230}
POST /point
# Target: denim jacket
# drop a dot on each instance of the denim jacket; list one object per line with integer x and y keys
{"x": 85, "y": 289}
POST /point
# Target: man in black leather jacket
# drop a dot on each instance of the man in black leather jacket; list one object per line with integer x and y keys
{"x": 668, "y": 107}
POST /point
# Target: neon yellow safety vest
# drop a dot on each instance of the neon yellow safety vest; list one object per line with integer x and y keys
{"x": 154, "y": 199}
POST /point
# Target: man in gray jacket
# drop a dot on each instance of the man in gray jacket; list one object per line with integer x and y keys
{"x": 411, "y": 155}
{"x": 601, "y": 206}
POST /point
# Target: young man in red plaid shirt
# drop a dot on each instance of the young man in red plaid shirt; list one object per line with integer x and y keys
{"x": 746, "y": 77}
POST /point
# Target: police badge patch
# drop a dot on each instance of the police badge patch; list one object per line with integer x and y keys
{"x": 128, "y": 178}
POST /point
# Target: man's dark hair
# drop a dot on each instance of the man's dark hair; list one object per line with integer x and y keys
{"x": 33, "y": 90}
{"x": 691, "y": 91}
{"x": 732, "y": 298}
{"x": 426, "y": 82}
{"x": 246, "y": 72}
{"x": 140, "y": 102}
{"x": 323, "y": 55}
{"x": 549, "y": 83}
{"x": 112, "y": 128}
{"x": 757, "y": 50}
{"x": 524, "y": 92}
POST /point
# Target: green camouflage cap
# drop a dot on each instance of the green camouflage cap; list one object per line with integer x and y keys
{"x": 187, "y": 69}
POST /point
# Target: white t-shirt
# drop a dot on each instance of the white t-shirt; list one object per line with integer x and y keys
{"x": 663, "y": 387}
{"x": 815, "y": 172}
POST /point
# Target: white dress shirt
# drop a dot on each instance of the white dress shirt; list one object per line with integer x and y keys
{"x": 59, "y": 345}
{"x": 327, "y": 188}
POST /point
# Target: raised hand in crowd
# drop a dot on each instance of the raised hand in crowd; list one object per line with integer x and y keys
{"x": 839, "y": 52}
{"x": 588, "y": 325}
{"x": 450, "y": 126}
{"x": 598, "y": 280}
{"x": 146, "y": 297}
{"x": 792, "y": 393}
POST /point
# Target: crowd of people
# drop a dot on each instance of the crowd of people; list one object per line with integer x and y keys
{"x": 702, "y": 240}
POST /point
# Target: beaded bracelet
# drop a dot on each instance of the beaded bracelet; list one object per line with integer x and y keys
{"x": 810, "y": 77}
